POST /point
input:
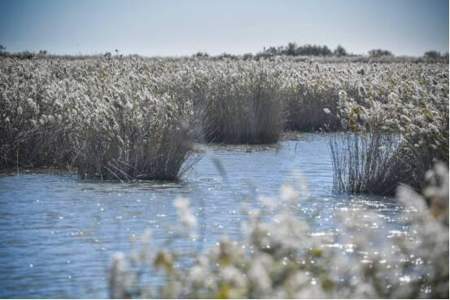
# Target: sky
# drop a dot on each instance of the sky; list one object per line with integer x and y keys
{"x": 182, "y": 27}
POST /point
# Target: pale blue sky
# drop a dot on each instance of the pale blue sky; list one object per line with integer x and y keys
{"x": 182, "y": 27}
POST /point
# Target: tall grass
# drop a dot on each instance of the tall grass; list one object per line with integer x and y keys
{"x": 31, "y": 134}
{"x": 311, "y": 96}
{"x": 153, "y": 146}
{"x": 86, "y": 115}
{"x": 415, "y": 111}
{"x": 243, "y": 106}
{"x": 378, "y": 162}
{"x": 365, "y": 162}
{"x": 419, "y": 151}
{"x": 120, "y": 117}
{"x": 132, "y": 130}
{"x": 308, "y": 109}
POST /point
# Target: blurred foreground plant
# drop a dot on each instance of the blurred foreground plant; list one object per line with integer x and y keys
{"x": 283, "y": 258}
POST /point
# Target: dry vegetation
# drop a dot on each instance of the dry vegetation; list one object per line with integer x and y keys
{"x": 132, "y": 117}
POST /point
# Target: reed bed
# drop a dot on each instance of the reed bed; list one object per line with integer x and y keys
{"x": 416, "y": 111}
{"x": 87, "y": 115}
{"x": 133, "y": 117}
{"x": 310, "y": 102}
{"x": 243, "y": 105}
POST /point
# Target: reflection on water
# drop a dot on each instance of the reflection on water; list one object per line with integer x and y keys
{"x": 57, "y": 233}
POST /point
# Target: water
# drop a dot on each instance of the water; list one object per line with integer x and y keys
{"x": 57, "y": 233}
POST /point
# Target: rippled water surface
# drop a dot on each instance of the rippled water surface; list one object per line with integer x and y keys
{"x": 57, "y": 233}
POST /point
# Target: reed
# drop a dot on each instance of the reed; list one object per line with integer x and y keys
{"x": 86, "y": 115}
{"x": 147, "y": 138}
{"x": 126, "y": 110}
{"x": 365, "y": 162}
{"x": 311, "y": 110}
{"x": 243, "y": 106}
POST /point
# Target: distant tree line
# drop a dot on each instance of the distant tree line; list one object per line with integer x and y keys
{"x": 316, "y": 50}
{"x": 380, "y": 53}
{"x": 435, "y": 55}
{"x": 292, "y": 49}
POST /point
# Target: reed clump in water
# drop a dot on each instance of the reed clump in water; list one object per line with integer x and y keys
{"x": 364, "y": 162}
{"x": 416, "y": 115}
{"x": 138, "y": 141}
{"x": 127, "y": 129}
{"x": 88, "y": 116}
{"x": 243, "y": 105}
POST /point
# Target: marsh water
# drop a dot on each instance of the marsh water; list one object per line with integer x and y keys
{"x": 58, "y": 233}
